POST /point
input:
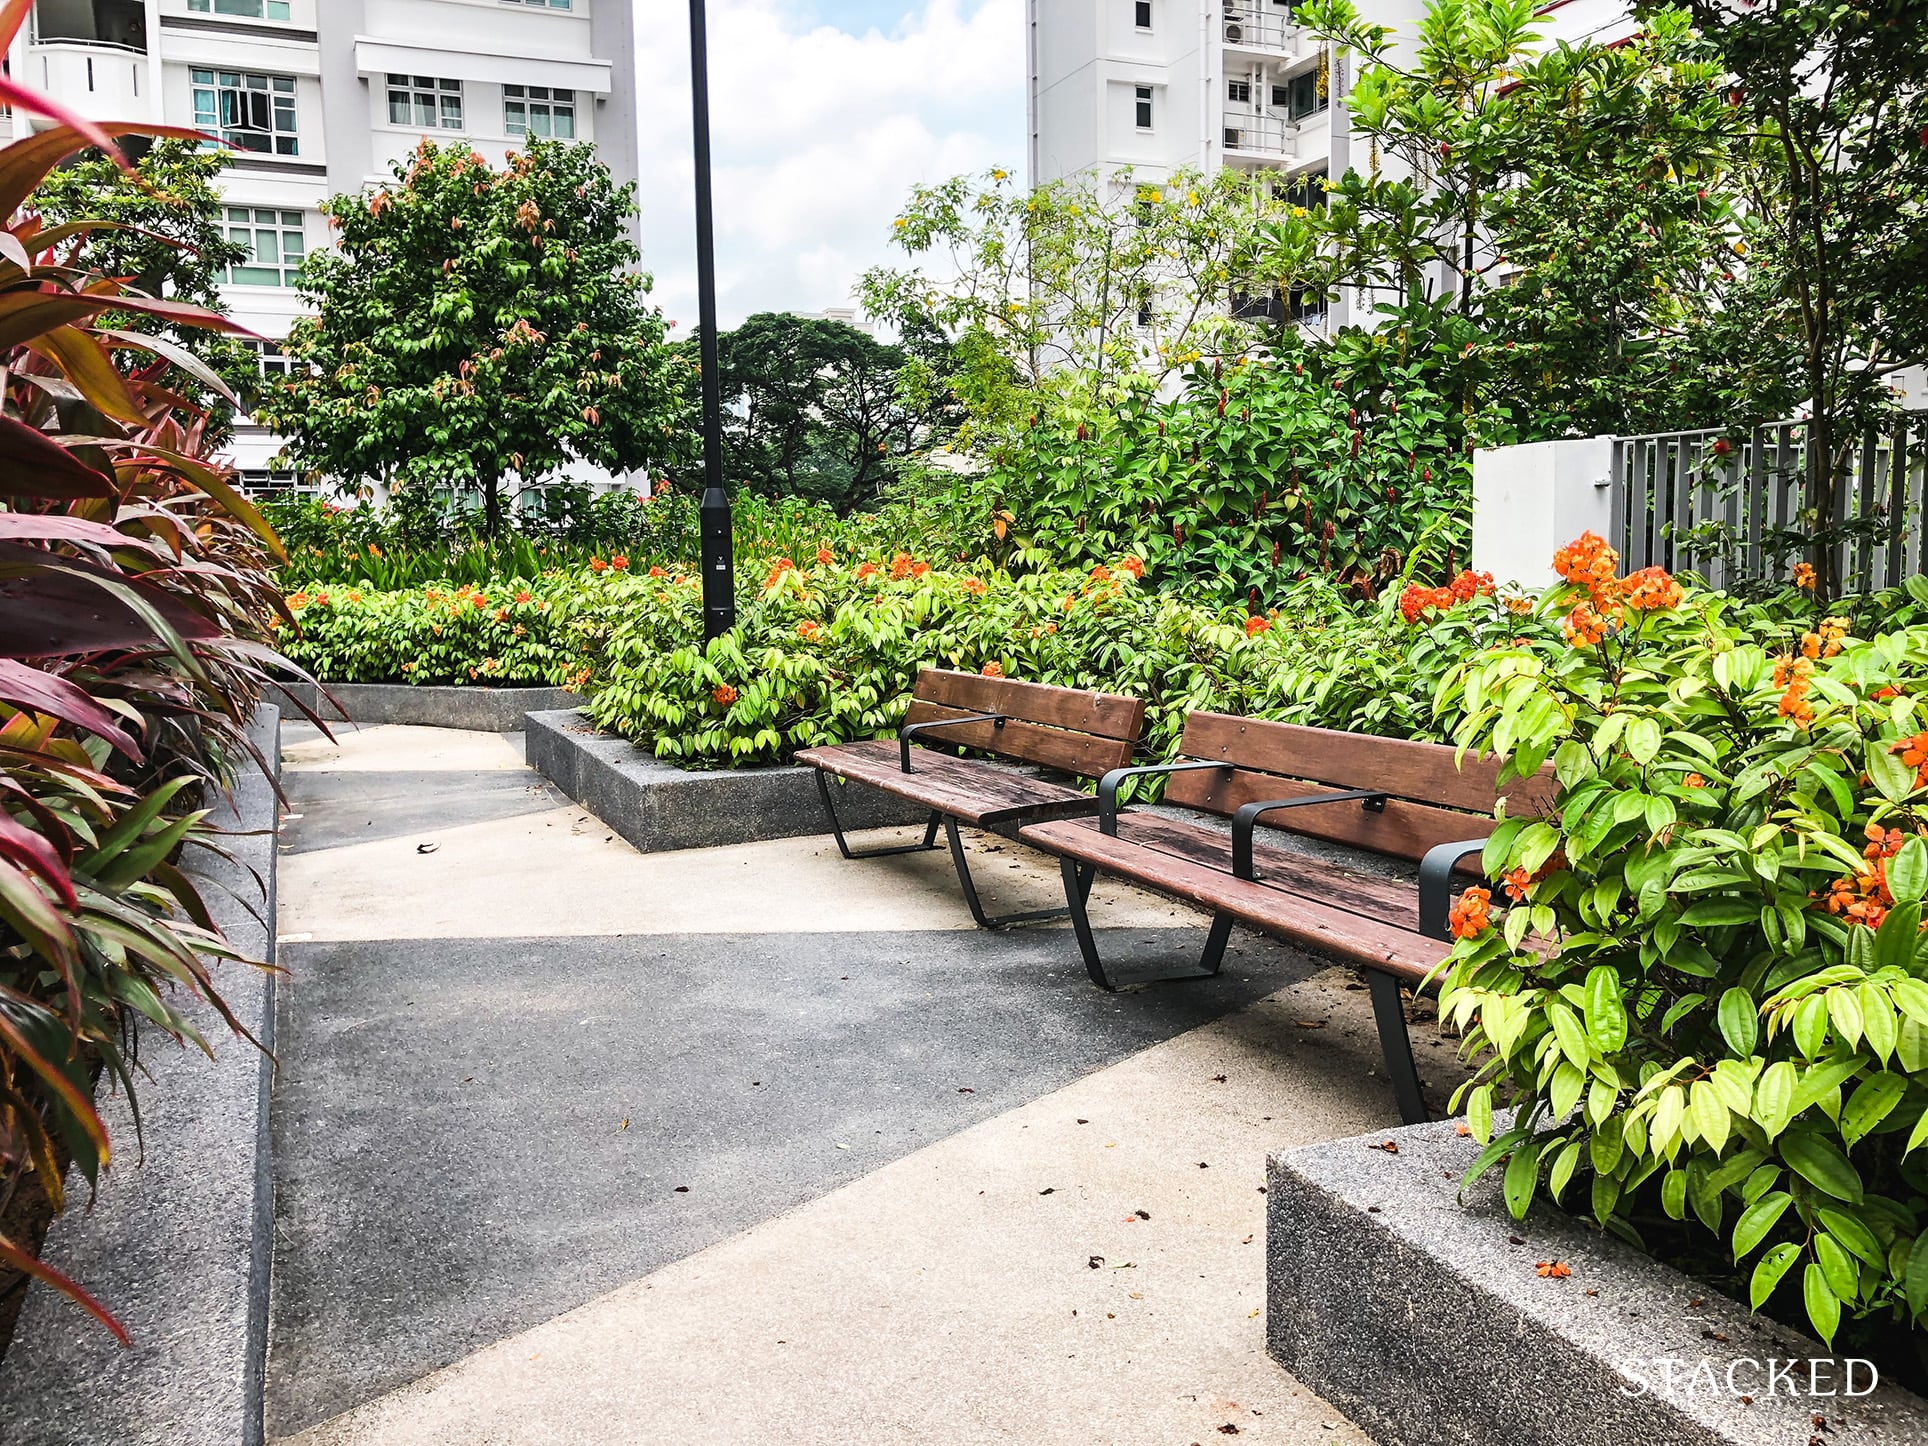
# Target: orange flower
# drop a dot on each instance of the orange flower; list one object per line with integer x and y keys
{"x": 1255, "y": 625}
{"x": 1131, "y": 565}
{"x": 1468, "y": 917}
{"x": 1101, "y": 573}
{"x": 1469, "y": 585}
{"x": 1650, "y": 590}
{"x": 974, "y": 587}
{"x": 620, "y": 561}
{"x": 1794, "y": 703}
{"x": 523, "y": 595}
{"x": 353, "y": 596}
{"x": 1804, "y": 576}
{"x": 992, "y": 670}
{"x": 825, "y": 556}
{"x": 297, "y": 600}
{"x": 1518, "y": 881}
{"x": 1914, "y": 753}
{"x": 502, "y": 615}
{"x": 918, "y": 569}
{"x": 724, "y": 695}
{"x": 868, "y": 569}
{"x": 374, "y": 551}
{"x": 1693, "y": 780}
{"x": 657, "y": 572}
{"x": 1588, "y": 561}
{"x": 1416, "y": 600}
{"x": 596, "y": 564}
{"x": 1583, "y": 626}
{"x": 321, "y": 598}
{"x": 900, "y": 566}
{"x": 1552, "y": 1270}
{"x": 809, "y": 632}
{"x": 777, "y": 569}
{"x": 478, "y": 601}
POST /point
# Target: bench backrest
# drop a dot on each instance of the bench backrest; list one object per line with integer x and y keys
{"x": 1430, "y": 799}
{"x": 1063, "y": 728}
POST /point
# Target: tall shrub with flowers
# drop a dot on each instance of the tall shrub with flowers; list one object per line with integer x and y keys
{"x": 1707, "y": 989}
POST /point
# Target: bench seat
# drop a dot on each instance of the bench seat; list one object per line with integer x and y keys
{"x": 982, "y": 795}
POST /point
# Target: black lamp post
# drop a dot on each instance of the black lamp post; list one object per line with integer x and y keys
{"x": 719, "y": 577}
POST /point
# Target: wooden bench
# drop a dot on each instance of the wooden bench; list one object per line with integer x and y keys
{"x": 1086, "y": 735}
{"x": 1384, "y": 795}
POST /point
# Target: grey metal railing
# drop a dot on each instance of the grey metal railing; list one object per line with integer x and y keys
{"x": 1734, "y": 506}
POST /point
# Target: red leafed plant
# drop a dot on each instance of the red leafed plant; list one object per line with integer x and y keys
{"x": 136, "y": 616}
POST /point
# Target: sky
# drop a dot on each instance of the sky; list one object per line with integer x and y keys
{"x": 823, "y": 114}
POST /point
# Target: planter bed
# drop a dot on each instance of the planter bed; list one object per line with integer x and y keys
{"x": 177, "y": 1244}
{"x": 481, "y": 710}
{"x": 1427, "y": 1324}
{"x": 658, "y": 807}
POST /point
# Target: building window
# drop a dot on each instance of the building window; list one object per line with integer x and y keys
{"x": 248, "y": 9}
{"x": 273, "y": 363}
{"x": 1239, "y": 90}
{"x": 424, "y": 103}
{"x": 536, "y": 110}
{"x": 275, "y": 241}
{"x": 1141, "y": 14}
{"x": 264, "y": 481}
{"x": 540, "y": 4}
{"x": 1301, "y": 95}
{"x": 249, "y": 112}
{"x": 1144, "y": 107}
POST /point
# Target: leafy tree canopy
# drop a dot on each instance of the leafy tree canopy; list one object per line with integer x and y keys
{"x": 475, "y": 323}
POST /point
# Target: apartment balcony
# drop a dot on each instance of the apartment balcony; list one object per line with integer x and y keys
{"x": 1261, "y": 28}
{"x": 101, "y": 80}
{"x": 1258, "y": 138}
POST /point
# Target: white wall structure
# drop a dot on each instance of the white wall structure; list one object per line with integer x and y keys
{"x": 1530, "y": 499}
{"x": 319, "y": 97}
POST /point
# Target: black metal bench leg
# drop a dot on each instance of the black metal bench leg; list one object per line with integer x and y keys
{"x": 1077, "y": 890}
{"x": 843, "y": 845}
{"x": 1396, "y": 1043}
{"x": 984, "y": 921}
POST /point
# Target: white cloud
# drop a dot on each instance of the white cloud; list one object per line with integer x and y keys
{"x": 818, "y": 135}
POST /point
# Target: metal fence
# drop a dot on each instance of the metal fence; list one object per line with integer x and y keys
{"x": 1734, "y": 507}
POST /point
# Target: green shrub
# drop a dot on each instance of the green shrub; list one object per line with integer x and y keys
{"x": 1709, "y": 994}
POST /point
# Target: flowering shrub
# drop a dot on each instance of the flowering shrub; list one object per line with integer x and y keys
{"x": 1706, "y": 990}
{"x": 515, "y": 632}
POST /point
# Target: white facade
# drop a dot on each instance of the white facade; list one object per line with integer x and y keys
{"x": 1162, "y": 85}
{"x": 319, "y": 97}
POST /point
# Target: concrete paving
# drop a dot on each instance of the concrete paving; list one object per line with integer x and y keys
{"x": 759, "y": 1145}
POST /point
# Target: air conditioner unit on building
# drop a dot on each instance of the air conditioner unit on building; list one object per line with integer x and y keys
{"x": 1234, "y": 33}
{"x": 1234, "y": 139}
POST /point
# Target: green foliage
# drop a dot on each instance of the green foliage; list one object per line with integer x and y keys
{"x": 1708, "y": 994}
{"x": 475, "y": 323}
{"x": 163, "y": 231}
{"x": 812, "y": 409}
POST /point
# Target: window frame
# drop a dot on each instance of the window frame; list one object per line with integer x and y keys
{"x": 528, "y": 98}
{"x": 1142, "y": 111}
{"x": 1141, "y": 14}
{"x": 279, "y": 95}
{"x": 245, "y": 225}
{"x": 1238, "y": 92}
{"x": 438, "y": 90}
{"x": 274, "y": 11}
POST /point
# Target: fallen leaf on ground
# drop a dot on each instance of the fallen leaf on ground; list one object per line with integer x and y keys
{"x": 1390, "y": 1147}
{"x": 1552, "y": 1269}
{"x": 426, "y": 848}
{"x": 1310, "y": 1023}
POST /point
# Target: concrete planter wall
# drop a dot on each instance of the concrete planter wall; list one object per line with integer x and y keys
{"x": 1427, "y": 1323}
{"x": 482, "y": 710}
{"x": 657, "y": 806}
{"x": 177, "y": 1245}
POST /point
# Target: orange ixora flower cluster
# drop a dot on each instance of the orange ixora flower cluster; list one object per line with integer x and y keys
{"x": 1588, "y": 561}
{"x": 1416, "y": 601}
{"x": 974, "y": 586}
{"x": 1584, "y": 627}
{"x": 1469, "y": 917}
{"x": 1804, "y": 576}
{"x": 1255, "y": 625}
{"x": 1518, "y": 882}
{"x": 1863, "y": 898}
{"x": 1649, "y": 590}
{"x": 809, "y": 631}
{"x": 825, "y": 556}
{"x": 1825, "y": 641}
{"x": 724, "y": 695}
{"x": 1131, "y": 565}
{"x": 1913, "y": 751}
{"x": 868, "y": 569}
{"x": 1792, "y": 674}
{"x": 992, "y": 670}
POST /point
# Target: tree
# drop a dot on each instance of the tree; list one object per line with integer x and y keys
{"x": 813, "y": 408}
{"x": 1836, "y": 98}
{"x": 475, "y": 324}
{"x": 164, "y": 235}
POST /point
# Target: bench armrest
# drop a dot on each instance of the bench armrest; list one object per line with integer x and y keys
{"x": 1108, "y": 788}
{"x": 1246, "y": 819}
{"x": 1436, "y": 884}
{"x": 904, "y": 735}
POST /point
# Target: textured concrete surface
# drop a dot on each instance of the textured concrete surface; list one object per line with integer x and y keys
{"x": 486, "y": 710}
{"x": 176, "y": 1245}
{"x": 1429, "y": 1324}
{"x": 1083, "y": 1268}
{"x": 756, "y": 1144}
{"x": 658, "y": 807}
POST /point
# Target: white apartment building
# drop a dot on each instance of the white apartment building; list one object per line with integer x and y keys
{"x": 319, "y": 97}
{"x": 1163, "y": 85}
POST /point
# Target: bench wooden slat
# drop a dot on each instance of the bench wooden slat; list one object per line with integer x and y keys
{"x": 1423, "y": 772}
{"x": 1404, "y": 830}
{"x": 1353, "y": 938}
{"x": 1085, "y": 754}
{"x": 968, "y": 789}
{"x": 1390, "y": 900}
{"x": 1108, "y": 715}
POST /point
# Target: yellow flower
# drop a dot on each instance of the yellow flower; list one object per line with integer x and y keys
{"x": 900, "y": 223}
{"x": 998, "y": 175}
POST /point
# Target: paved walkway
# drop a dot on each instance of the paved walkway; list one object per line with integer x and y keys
{"x": 755, "y": 1145}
